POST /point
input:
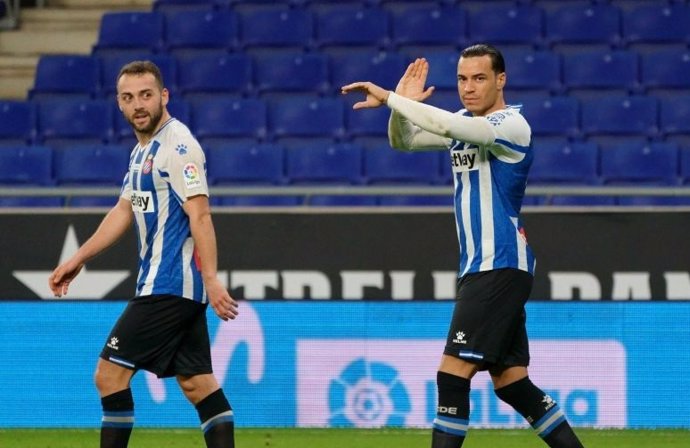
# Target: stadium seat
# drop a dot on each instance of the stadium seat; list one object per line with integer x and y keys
{"x": 443, "y": 70}
{"x": 335, "y": 27}
{"x": 91, "y": 201}
{"x": 199, "y": 30}
{"x": 261, "y": 201}
{"x": 657, "y": 22}
{"x": 306, "y": 117}
{"x": 138, "y": 30}
{"x": 601, "y": 70}
{"x": 402, "y": 200}
{"x": 229, "y": 118}
{"x": 685, "y": 165}
{"x": 385, "y": 165}
{"x": 295, "y": 72}
{"x": 73, "y": 75}
{"x": 342, "y": 200}
{"x": 533, "y": 70}
{"x": 91, "y": 165}
{"x": 382, "y": 68}
{"x": 506, "y": 24}
{"x": 74, "y": 121}
{"x": 245, "y": 164}
{"x": 674, "y": 114}
{"x": 26, "y": 166}
{"x": 172, "y": 6}
{"x": 276, "y": 27}
{"x": 215, "y": 73}
{"x": 17, "y": 122}
{"x": 558, "y": 115}
{"x": 111, "y": 63}
{"x": 446, "y": 100}
{"x": 571, "y": 163}
{"x": 366, "y": 122}
{"x": 620, "y": 115}
{"x": 581, "y": 23}
{"x": 429, "y": 24}
{"x": 581, "y": 201}
{"x": 31, "y": 201}
{"x": 654, "y": 201}
{"x": 336, "y": 163}
{"x": 665, "y": 70}
{"x": 652, "y": 163}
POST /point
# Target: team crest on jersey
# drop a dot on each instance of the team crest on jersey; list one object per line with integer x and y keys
{"x": 148, "y": 164}
{"x": 192, "y": 178}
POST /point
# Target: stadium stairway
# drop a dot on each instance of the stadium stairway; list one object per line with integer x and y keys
{"x": 59, "y": 26}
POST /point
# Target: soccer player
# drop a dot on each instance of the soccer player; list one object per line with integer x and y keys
{"x": 163, "y": 328}
{"x": 489, "y": 146}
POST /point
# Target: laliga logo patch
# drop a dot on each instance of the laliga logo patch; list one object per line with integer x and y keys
{"x": 368, "y": 394}
{"x": 148, "y": 164}
{"x": 191, "y": 176}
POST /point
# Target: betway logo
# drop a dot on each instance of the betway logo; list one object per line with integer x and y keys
{"x": 625, "y": 286}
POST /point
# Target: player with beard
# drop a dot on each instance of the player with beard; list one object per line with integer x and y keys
{"x": 163, "y": 328}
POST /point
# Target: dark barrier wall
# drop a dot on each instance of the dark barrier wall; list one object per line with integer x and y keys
{"x": 373, "y": 255}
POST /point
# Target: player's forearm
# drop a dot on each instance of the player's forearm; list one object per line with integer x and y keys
{"x": 442, "y": 123}
{"x": 204, "y": 236}
{"x": 114, "y": 225}
{"x": 404, "y": 135}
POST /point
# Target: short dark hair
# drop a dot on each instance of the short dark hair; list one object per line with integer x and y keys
{"x": 141, "y": 68}
{"x": 498, "y": 64}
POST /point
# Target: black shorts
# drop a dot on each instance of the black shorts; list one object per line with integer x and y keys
{"x": 164, "y": 334}
{"x": 488, "y": 326}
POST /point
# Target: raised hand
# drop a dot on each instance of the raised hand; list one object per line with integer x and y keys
{"x": 375, "y": 95}
{"x": 411, "y": 85}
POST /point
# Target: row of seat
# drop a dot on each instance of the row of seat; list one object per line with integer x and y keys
{"x": 418, "y": 24}
{"x": 242, "y": 74}
{"x": 59, "y": 122}
{"x": 350, "y": 164}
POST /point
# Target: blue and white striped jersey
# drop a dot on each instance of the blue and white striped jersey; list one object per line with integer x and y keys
{"x": 490, "y": 183}
{"x": 162, "y": 175}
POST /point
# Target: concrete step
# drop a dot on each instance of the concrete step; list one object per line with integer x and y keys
{"x": 100, "y": 4}
{"x": 34, "y": 43}
{"x": 61, "y": 19}
{"x": 17, "y": 74}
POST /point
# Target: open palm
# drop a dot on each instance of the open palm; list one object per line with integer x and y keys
{"x": 411, "y": 85}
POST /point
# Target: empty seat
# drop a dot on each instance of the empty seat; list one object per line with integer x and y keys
{"x": 92, "y": 201}
{"x": 674, "y": 114}
{"x": 553, "y": 116}
{"x": 66, "y": 75}
{"x": 335, "y": 26}
{"x": 654, "y": 201}
{"x": 685, "y": 165}
{"x": 652, "y": 163}
{"x": 215, "y": 73}
{"x": 659, "y": 22}
{"x": 17, "y": 122}
{"x": 306, "y": 117}
{"x": 620, "y": 115}
{"x": 26, "y": 165}
{"x": 506, "y": 24}
{"x": 276, "y": 27}
{"x": 576, "y": 163}
{"x": 533, "y": 70}
{"x": 91, "y": 165}
{"x": 296, "y": 72}
{"x": 342, "y": 200}
{"x": 261, "y": 201}
{"x": 382, "y": 68}
{"x": 418, "y": 200}
{"x": 385, "y": 165}
{"x": 602, "y": 69}
{"x": 429, "y": 25}
{"x": 69, "y": 120}
{"x": 254, "y": 164}
{"x": 229, "y": 118}
{"x": 138, "y": 30}
{"x": 366, "y": 122}
{"x": 201, "y": 30}
{"x": 111, "y": 63}
{"x": 666, "y": 69}
{"x": 446, "y": 100}
{"x": 582, "y": 200}
{"x": 336, "y": 163}
{"x": 443, "y": 70}
{"x": 580, "y": 23}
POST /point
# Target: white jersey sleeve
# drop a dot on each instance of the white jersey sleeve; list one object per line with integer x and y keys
{"x": 186, "y": 168}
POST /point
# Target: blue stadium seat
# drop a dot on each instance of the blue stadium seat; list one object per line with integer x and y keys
{"x": 602, "y": 69}
{"x": 620, "y": 115}
{"x": 443, "y": 70}
{"x": 382, "y": 68}
{"x": 674, "y": 114}
{"x": 366, "y": 122}
{"x": 446, "y": 100}
{"x": 17, "y": 122}
{"x": 572, "y": 163}
{"x": 91, "y": 165}
{"x": 26, "y": 165}
{"x": 172, "y": 6}
{"x": 558, "y": 115}
{"x": 685, "y": 165}
{"x": 506, "y": 24}
{"x": 657, "y": 22}
{"x": 342, "y": 200}
{"x": 652, "y": 163}
{"x": 276, "y": 27}
{"x": 665, "y": 69}
{"x": 199, "y": 30}
{"x": 417, "y": 200}
{"x": 229, "y": 118}
{"x": 336, "y": 163}
{"x": 654, "y": 201}
{"x": 210, "y": 74}
{"x": 70, "y": 121}
{"x": 533, "y": 70}
{"x": 74, "y": 75}
{"x": 307, "y": 117}
{"x": 582, "y": 201}
{"x": 261, "y": 201}
{"x": 122, "y": 130}
{"x": 385, "y": 165}
{"x": 111, "y": 63}
{"x": 335, "y": 26}
{"x": 92, "y": 201}
{"x": 429, "y": 24}
{"x": 292, "y": 72}
{"x": 138, "y": 30}
{"x": 581, "y": 23}
{"x": 246, "y": 164}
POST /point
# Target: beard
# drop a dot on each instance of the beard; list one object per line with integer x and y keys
{"x": 153, "y": 122}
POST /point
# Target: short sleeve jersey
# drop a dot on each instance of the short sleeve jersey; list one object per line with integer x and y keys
{"x": 490, "y": 184}
{"x": 162, "y": 175}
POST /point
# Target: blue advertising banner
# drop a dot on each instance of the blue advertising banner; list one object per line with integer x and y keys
{"x": 360, "y": 364}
